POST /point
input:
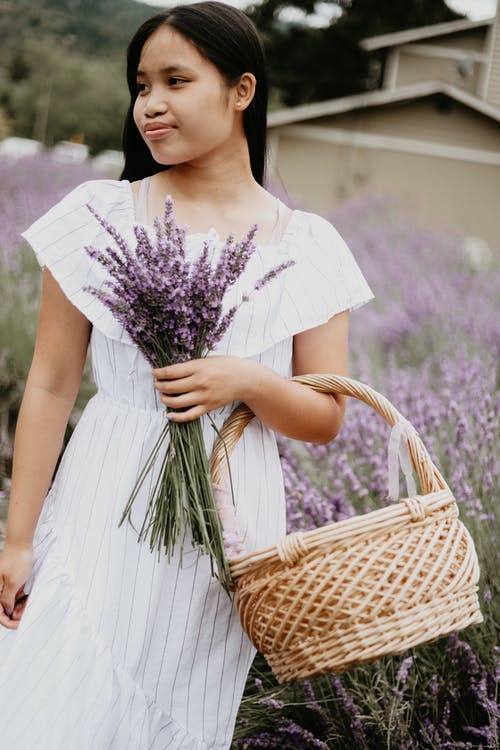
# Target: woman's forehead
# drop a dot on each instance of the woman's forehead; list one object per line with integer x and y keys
{"x": 167, "y": 48}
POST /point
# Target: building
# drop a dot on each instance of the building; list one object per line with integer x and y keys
{"x": 429, "y": 136}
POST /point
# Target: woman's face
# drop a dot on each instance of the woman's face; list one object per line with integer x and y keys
{"x": 184, "y": 110}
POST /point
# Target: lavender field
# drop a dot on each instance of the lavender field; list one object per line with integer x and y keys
{"x": 430, "y": 342}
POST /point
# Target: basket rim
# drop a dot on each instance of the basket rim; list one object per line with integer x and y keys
{"x": 439, "y": 503}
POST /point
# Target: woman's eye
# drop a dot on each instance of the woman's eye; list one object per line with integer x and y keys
{"x": 141, "y": 88}
{"x": 175, "y": 81}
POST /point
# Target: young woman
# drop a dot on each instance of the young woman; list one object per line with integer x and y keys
{"x": 104, "y": 646}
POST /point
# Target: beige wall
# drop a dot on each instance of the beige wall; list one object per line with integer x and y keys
{"x": 416, "y": 68}
{"x": 422, "y": 120}
{"x": 472, "y": 40}
{"x": 437, "y": 191}
{"x": 493, "y": 75}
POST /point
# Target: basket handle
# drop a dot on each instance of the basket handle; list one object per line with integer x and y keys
{"x": 429, "y": 477}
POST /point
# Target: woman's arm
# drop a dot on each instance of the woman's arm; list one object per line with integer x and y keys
{"x": 51, "y": 389}
{"x": 285, "y": 406}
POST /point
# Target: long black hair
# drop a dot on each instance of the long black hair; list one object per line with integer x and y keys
{"x": 226, "y": 37}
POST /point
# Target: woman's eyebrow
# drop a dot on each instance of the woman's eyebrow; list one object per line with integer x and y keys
{"x": 170, "y": 69}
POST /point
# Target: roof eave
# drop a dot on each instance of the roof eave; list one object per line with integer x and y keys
{"x": 422, "y": 32}
{"x": 380, "y": 97}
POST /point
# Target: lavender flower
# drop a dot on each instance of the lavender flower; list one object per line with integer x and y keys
{"x": 173, "y": 308}
{"x": 356, "y": 724}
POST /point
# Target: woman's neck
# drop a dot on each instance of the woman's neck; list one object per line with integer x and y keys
{"x": 218, "y": 181}
{"x": 219, "y": 192}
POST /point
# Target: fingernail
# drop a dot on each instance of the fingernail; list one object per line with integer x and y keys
{"x": 8, "y": 611}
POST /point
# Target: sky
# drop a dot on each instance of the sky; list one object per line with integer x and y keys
{"x": 474, "y": 9}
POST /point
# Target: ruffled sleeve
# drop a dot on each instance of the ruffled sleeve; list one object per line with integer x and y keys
{"x": 60, "y": 236}
{"x": 324, "y": 281}
{"x": 326, "y": 278}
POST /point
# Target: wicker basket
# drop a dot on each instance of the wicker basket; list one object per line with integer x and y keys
{"x": 348, "y": 593}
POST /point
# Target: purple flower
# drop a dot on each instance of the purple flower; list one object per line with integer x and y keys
{"x": 172, "y": 308}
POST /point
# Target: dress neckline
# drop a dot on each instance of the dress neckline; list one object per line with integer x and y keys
{"x": 140, "y": 217}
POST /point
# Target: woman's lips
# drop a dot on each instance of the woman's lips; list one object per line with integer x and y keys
{"x": 157, "y": 132}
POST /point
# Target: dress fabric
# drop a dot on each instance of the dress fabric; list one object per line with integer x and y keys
{"x": 118, "y": 648}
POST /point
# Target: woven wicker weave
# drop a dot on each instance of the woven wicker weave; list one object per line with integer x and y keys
{"x": 347, "y": 593}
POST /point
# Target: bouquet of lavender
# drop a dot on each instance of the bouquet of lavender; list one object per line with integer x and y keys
{"x": 173, "y": 311}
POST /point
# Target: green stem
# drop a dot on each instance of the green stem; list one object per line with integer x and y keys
{"x": 142, "y": 476}
{"x": 182, "y": 494}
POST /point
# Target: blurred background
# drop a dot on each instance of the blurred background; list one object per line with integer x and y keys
{"x": 385, "y": 118}
{"x": 365, "y": 96}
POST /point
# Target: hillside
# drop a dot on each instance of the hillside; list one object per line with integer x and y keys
{"x": 56, "y": 51}
{"x": 100, "y": 27}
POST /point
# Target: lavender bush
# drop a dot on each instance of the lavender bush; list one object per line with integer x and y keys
{"x": 430, "y": 342}
{"x": 28, "y": 187}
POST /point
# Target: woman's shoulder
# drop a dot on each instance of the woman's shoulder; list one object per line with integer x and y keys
{"x": 324, "y": 260}
{"x": 311, "y": 220}
{"x": 310, "y": 229}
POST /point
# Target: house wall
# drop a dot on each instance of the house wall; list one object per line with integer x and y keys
{"x": 493, "y": 72}
{"x": 438, "y": 58}
{"x": 413, "y": 68}
{"x": 437, "y": 119}
{"x": 472, "y": 40}
{"x": 436, "y": 191}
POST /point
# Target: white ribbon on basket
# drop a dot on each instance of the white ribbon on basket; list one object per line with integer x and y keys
{"x": 234, "y": 543}
{"x": 399, "y": 455}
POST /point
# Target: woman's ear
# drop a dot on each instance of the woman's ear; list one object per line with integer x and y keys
{"x": 244, "y": 91}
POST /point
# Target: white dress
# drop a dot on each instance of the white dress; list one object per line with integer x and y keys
{"x": 117, "y": 650}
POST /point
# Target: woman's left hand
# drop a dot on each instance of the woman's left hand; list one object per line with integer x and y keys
{"x": 202, "y": 385}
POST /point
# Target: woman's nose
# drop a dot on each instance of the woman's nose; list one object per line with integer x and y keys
{"x": 156, "y": 104}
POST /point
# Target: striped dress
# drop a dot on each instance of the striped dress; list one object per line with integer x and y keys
{"x": 117, "y": 649}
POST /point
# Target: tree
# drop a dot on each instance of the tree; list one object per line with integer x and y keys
{"x": 82, "y": 99}
{"x": 4, "y": 128}
{"x": 308, "y": 64}
{"x": 62, "y": 71}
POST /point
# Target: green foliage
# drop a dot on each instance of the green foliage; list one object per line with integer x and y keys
{"x": 365, "y": 18}
{"x": 62, "y": 73}
{"x": 19, "y": 293}
{"x": 4, "y": 128}
{"x": 83, "y": 99}
{"x": 101, "y": 27}
{"x": 305, "y": 78}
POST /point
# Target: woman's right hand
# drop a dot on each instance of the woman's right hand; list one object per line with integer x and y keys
{"x": 16, "y": 564}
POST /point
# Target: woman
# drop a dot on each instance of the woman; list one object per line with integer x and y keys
{"x": 102, "y": 644}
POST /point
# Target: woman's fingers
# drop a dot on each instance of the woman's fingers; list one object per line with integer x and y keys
{"x": 11, "y": 619}
{"x": 182, "y": 401}
{"x": 20, "y": 606}
{"x": 16, "y": 565}
{"x": 188, "y": 415}
{"x": 172, "y": 372}
{"x": 7, "y": 599}
{"x": 6, "y": 621}
{"x": 174, "y": 387}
